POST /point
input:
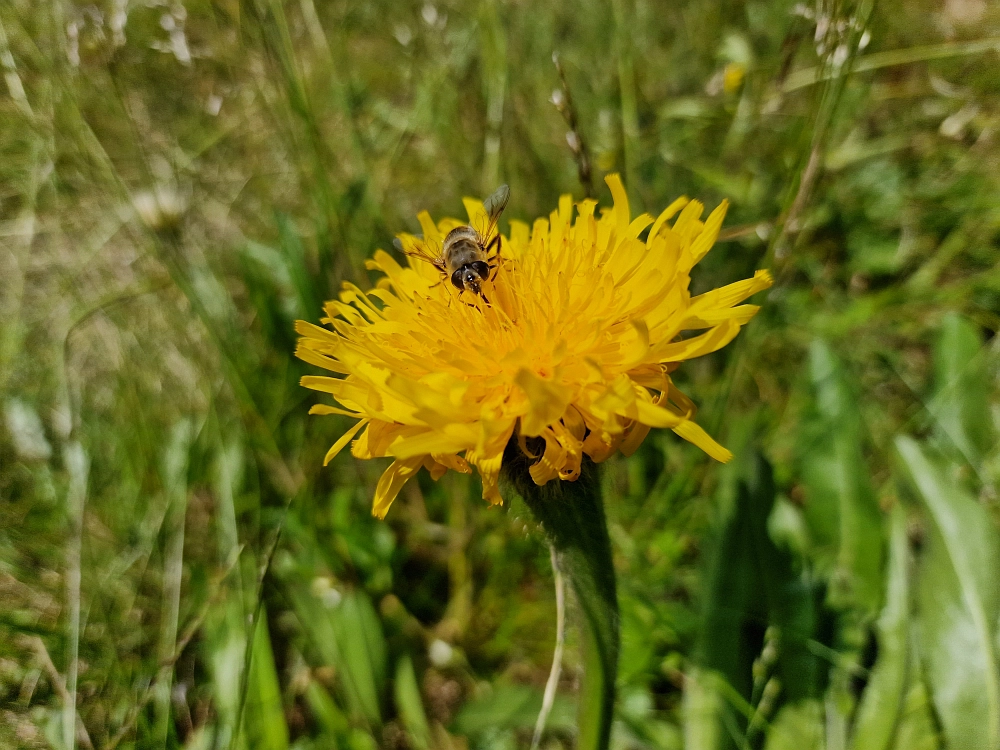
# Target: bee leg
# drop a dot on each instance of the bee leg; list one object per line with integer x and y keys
{"x": 467, "y": 304}
{"x": 495, "y": 241}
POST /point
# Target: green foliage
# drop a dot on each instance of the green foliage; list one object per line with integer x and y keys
{"x": 880, "y": 706}
{"x": 182, "y": 181}
{"x": 266, "y": 728}
{"x": 959, "y": 603}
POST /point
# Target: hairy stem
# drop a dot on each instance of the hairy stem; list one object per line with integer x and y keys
{"x": 572, "y": 514}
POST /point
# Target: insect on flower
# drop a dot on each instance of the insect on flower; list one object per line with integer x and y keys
{"x": 589, "y": 315}
{"x": 469, "y": 255}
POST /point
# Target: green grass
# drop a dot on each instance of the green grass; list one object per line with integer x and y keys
{"x": 178, "y": 570}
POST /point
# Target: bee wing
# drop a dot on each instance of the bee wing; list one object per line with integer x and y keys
{"x": 421, "y": 250}
{"x": 494, "y": 206}
{"x": 485, "y": 223}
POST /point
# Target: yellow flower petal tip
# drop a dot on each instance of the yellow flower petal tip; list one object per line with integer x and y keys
{"x": 570, "y": 346}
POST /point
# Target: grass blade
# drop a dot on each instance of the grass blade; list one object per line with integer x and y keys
{"x": 842, "y": 511}
{"x": 410, "y": 706}
{"x": 882, "y": 700}
{"x": 961, "y": 390}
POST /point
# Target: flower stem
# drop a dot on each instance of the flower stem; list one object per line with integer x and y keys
{"x": 572, "y": 514}
{"x": 548, "y": 698}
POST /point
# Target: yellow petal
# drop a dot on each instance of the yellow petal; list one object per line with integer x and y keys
{"x": 665, "y": 216}
{"x": 620, "y": 197}
{"x": 433, "y": 442}
{"x": 327, "y": 409}
{"x": 633, "y": 438}
{"x": 453, "y": 462}
{"x": 710, "y": 233}
{"x": 698, "y": 346}
{"x": 695, "y": 434}
{"x": 548, "y": 401}
{"x": 740, "y": 315}
{"x": 656, "y": 416}
{"x": 392, "y": 481}
{"x": 435, "y": 469}
{"x": 344, "y": 440}
{"x": 731, "y": 294}
{"x": 489, "y": 471}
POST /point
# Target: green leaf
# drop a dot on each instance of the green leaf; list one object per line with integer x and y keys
{"x": 753, "y": 584}
{"x": 703, "y": 707}
{"x": 362, "y": 649}
{"x": 961, "y": 390}
{"x": 572, "y": 514}
{"x": 326, "y": 713}
{"x": 916, "y": 729}
{"x": 508, "y": 706}
{"x": 295, "y": 259}
{"x": 882, "y": 700}
{"x": 347, "y": 635}
{"x": 263, "y": 714}
{"x": 841, "y": 511}
{"x": 410, "y": 706}
{"x": 224, "y": 644}
{"x": 958, "y": 595}
{"x": 797, "y": 727}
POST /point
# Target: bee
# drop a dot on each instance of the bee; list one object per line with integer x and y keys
{"x": 469, "y": 255}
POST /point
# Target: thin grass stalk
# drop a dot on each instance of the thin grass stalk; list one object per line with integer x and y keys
{"x": 629, "y": 105}
{"x": 549, "y": 696}
{"x": 76, "y": 497}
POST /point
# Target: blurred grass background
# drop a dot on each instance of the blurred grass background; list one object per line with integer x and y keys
{"x": 180, "y": 181}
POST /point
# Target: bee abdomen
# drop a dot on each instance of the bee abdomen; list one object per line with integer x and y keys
{"x": 461, "y": 247}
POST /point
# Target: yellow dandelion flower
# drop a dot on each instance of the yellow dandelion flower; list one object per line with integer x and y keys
{"x": 572, "y": 353}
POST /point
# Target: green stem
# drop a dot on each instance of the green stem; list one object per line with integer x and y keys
{"x": 572, "y": 514}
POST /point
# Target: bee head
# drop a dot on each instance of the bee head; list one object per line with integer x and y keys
{"x": 470, "y": 277}
{"x": 471, "y": 281}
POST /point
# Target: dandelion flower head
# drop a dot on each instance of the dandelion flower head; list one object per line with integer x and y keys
{"x": 571, "y": 356}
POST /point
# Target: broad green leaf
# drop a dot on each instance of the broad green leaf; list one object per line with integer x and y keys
{"x": 410, "y": 705}
{"x": 961, "y": 390}
{"x": 798, "y": 726}
{"x": 917, "y": 729}
{"x": 295, "y": 260}
{"x": 347, "y": 635}
{"x": 263, "y": 714}
{"x": 841, "y": 511}
{"x": 958, "y": 595}
{"x": 362, "y": 649}
{"x": 508, "y": 706}
{"x": 703, "y": 709}
{"x": 752, "y": 585}
{"x": 327, "y": 714}
{"x": 882, "y": 700}
{"x": 224, "y": 643}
